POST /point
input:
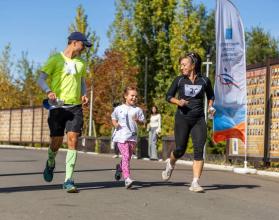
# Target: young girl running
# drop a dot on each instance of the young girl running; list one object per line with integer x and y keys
{"x": 125, "y": 118}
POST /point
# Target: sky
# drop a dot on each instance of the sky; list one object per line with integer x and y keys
{"x": 40, "y": 26}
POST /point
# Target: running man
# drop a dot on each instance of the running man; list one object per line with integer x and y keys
{"x": 66, "y": 94}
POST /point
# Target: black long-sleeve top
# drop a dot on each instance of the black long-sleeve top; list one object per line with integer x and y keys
{"x": 192, "y": 92}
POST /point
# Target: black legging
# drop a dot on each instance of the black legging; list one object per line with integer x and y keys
{"x": 183, "y": 127}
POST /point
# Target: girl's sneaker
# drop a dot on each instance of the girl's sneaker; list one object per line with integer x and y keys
{"x": 128, "y": 183}
{"x": 134, "y": 156}
{"x": 118, "y": 172}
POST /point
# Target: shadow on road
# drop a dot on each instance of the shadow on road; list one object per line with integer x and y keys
{"x": 89, "y": 186}
{"x": 60, "y": 171}
{"x": 113, "y": 184}
{"x": 17, "y": 161}
{"x": 30, "y": 188}
{"x": 81, "y": 186}
{"x": 139, "y": 184}
{"x": 228, "y": 186}
{"x": 85, "y": 170}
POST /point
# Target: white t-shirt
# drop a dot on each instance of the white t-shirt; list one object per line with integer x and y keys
{"x": 155, "y": 121}
{"x": 124, "y": 115}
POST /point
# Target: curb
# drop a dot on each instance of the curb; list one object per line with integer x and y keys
{"x": 207, "y": 165}
{"x": 229, "y": 168}
{"x": 181, "y": 162}
{"x": 268, "y": 173}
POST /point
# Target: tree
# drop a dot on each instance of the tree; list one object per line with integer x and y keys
{"x": 82, "y": 26}
{"x": 161, "y": 30}
{"x": 208, "y": 38}
{"x": 122, "y": 32}
{"x": 111, "y": 76}
{"x": 30, "y": 93}
{"x": 5, "y": 62}
{"x": 186, "y": 32}
{"x": 260, "y": 45}
{"x": 90, "y": 56}
{"x": 185, "y": 36}
{"x": 11, "y": 94}
{"x": 152, "y": 23}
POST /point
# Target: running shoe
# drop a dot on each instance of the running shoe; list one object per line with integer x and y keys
{"x": 128, "y": 183}
{"x": 195, "y": 187}
{"x": 70, "y": 187}
{"x": 48, "y": 172}
{"x": 118, "y": 172}
{"x": 166, "y": 174}
{"x": 134, "y": 156}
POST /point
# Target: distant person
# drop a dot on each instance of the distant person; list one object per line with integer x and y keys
{"x": 125, "y": 119}
{"x": 191, "y": 86}
{"x": 154, "y": 129}
{"x": 66, "y": 94}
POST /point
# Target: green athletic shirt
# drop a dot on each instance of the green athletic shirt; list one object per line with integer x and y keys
{"x": 65, "y": 77}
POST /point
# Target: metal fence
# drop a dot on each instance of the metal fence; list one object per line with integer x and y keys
{"x": 29, "y": 126}
{"x": 24, "y": 125}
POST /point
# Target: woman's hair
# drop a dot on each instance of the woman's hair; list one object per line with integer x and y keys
{"x": 126, "y": 91}
{"x": 195, "y": 59}
{"x": 154, "y": 106}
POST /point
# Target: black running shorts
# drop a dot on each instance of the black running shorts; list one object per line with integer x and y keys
{"x": 69, "y": 119}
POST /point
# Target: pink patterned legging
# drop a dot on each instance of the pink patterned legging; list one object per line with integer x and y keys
{"x": 126, "y": 150}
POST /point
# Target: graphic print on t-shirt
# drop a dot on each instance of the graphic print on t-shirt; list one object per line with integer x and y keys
{"x": 127, "y": 118}
{"x": 70, "y": 67}
{"x": 192, "y": 90}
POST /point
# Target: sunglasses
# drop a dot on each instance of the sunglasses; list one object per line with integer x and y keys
{"x": 193, "y": 57}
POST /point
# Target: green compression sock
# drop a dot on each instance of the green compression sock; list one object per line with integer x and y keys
{"x": 51, "y": 157}
{"x": 70, "y": 163}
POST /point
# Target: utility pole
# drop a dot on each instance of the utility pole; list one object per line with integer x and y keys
{"x": 145, "y": 80}
{"x": 207, "y": 63}
{"x": 90, "y": 110}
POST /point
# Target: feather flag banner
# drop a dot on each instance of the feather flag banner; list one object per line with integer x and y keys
{"x": 230, "y": 79}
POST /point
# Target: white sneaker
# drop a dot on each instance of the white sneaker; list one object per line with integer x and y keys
{"x": 134, "y": 156}
{"x": 115, "y": 156}
{"x": 145, "y": 158}
{"x": 195, "y": 187}
{"x": 128, "y": 183}
{"x": 166, "y": 174}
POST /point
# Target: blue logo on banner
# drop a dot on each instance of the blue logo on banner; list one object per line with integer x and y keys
{"x": 229, "y": 33}
{"x": 227, "y": 80}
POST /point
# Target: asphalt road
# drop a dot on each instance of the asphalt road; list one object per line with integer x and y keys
{"x": 25, "y": 195}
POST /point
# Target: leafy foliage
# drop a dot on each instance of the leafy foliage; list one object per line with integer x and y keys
{"x": 90, "y": 55}
{"x": 147, "y": 36}
{"x": 30, "y": 93}
{"x": 260, "y": 46}
{"x": 10, "y": 93}
{"x": 81, "y": 25}
{"x": 111, "y": 76}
